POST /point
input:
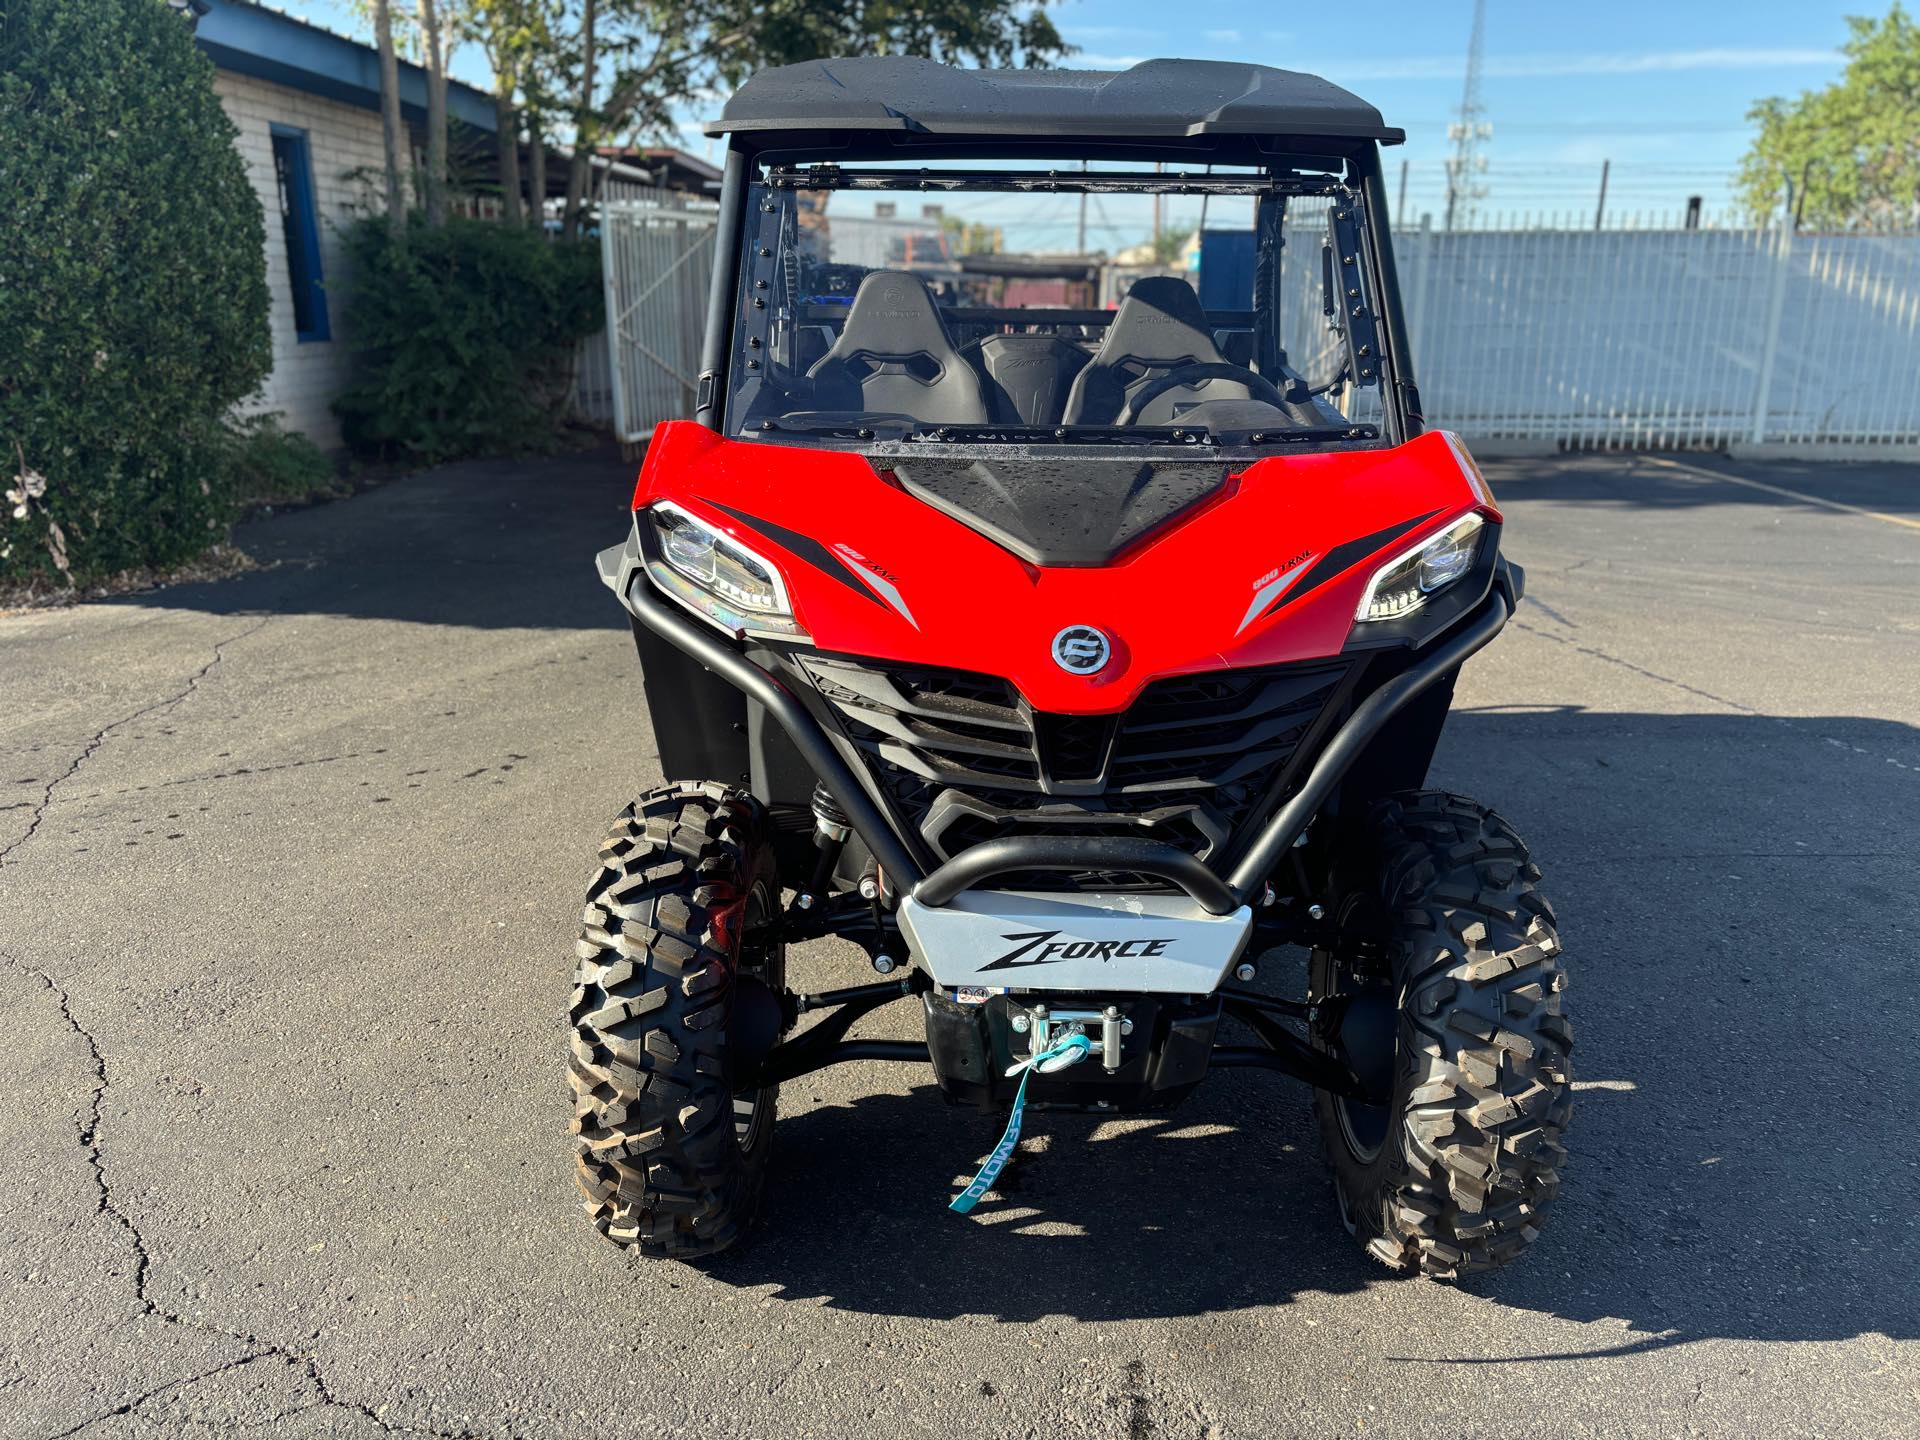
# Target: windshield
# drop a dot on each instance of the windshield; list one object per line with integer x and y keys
{"x": 1100, "y": 304}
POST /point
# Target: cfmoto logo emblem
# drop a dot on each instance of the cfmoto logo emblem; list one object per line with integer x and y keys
{"x": 1081, "y": 649}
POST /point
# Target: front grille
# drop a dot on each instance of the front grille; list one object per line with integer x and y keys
{"x": 962, "y": 758}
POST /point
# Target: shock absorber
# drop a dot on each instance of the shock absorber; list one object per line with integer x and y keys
{"x": 830, "y": 831}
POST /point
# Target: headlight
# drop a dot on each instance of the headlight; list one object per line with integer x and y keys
{"x": 716, "y": 576}
{"x": 1403, "y": 584}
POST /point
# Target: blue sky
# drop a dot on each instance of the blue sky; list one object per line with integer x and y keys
{"x": 1660, "y": 89}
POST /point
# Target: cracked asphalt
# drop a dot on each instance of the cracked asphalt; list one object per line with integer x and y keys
{"x": 289, "y": 866}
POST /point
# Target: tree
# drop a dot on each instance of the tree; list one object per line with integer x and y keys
{"x": 435, "y": 26}
{"x": 517, "y": 36}
{"x": 1850, "y": 153}
{"x": 1170, "y": 244}
{"x": 586, "y": 128}
{"x": 393, "y": 132}
{"x": 975, "y": 32}
{"x": 133, "y": 311}
{"x": 659, "y": 54}
{"x": 627, "y": 68}
{"x": 435, "y": 42}
{"x": 971, "y": 237}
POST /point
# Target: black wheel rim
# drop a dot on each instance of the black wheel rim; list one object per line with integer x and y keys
{"x": 1363, "y": 1127}
{"x": 753, "y": 1109}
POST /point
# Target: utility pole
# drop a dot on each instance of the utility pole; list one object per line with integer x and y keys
{"x": 1400, "y": 209}
{"x": 1153, "y": 242}
{"x": 1469, "y": 130}
{"x": 1600, "y": 210}
{"x": 1080, "y": 242}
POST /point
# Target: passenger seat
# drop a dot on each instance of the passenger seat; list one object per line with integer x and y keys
{"x": 894, "y": 357}
{"x": 1158, "y": 328}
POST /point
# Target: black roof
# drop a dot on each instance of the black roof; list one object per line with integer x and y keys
{"x": 1156, "y": 99}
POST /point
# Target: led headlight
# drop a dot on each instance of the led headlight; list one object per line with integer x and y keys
{"x": 716, "y": 576}
{"x": 1403, "y": 584}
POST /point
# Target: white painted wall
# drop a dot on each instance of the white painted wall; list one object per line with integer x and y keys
{"x": 341, "y": 139}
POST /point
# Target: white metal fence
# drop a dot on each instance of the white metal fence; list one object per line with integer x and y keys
{"x": 592, "y": 397}
{"x": 656, "y": 253}
{"x": 1652, "y": 338}
{"x": 1582, "y": 338}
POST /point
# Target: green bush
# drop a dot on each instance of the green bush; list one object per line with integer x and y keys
{"x": 463, "y": 337}
{"x": 271, "y": 466}
{"x": 133, "y": 295}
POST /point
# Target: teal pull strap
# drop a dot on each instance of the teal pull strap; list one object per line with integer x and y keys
{"x": 1070, "y": 1051}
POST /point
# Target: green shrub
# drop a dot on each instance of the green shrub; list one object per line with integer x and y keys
{"x": 133, "y": 295}
{"x": 463, "y": 337}
{"x": 271, "y": 466}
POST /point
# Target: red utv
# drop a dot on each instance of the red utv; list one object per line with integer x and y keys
{"x": 1081, "y": 664}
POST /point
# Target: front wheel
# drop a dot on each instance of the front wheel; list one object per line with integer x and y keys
{"x": 1440, "y": 910}
{"x": 671, "y": 1157}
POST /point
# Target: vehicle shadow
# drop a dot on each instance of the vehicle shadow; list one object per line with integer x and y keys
{"x": 1737, "y": 896}
{"x": 1219, "y": 1205}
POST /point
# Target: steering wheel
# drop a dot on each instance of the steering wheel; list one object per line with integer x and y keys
{"x": 1184, "y": 375}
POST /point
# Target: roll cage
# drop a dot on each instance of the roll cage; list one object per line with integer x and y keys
{"x": 853, "y": 125}
{"x": 921, "y": 341}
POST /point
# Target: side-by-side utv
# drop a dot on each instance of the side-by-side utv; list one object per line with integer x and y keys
{"x": 1067, "y": 615}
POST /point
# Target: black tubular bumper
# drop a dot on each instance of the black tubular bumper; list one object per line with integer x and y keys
{"x": 621, "y": 569}
{"x": 1066, "y": 852}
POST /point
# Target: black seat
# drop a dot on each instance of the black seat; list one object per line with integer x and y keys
{"x": 1158, "y": 328}
{"x": 894, "y": 357}
{"x": 1027, "y": 376}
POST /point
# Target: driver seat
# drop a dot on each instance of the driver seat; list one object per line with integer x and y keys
{"x": 894, "y": 357}
{"x": 1158, "y": 328}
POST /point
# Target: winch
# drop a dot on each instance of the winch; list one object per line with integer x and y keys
{"x": 1044, "y": 1025}
{"x": 1151, "y": 1049}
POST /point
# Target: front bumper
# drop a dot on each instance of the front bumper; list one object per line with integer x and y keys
{"x": 1214, "y": 896}
{"x": 1122, "y": 944}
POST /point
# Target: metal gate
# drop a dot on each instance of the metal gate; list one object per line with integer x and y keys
{"x": 657, "y": 260}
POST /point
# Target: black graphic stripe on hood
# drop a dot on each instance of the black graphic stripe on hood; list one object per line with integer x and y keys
{"x": 1338, "y": 559}
{"x": 805, "y": 546}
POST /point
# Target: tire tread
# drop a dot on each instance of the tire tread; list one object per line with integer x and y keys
{"x": 657, "y": 1159}
{"x": 1485, "y": 1075}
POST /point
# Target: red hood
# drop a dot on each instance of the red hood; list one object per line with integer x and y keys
{"x": 1180, "y": 600}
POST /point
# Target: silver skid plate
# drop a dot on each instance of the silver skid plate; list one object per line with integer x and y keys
{"x": 1018, "y": 940}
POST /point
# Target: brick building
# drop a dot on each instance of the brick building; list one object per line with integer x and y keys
{"x": 307, "y": 104}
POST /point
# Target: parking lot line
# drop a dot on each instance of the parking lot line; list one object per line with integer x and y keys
{"x": 1701, "y": 470}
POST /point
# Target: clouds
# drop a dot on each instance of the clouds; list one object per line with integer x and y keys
{"x": 1449, "y": 67}
{"x": 1116, "y": 32}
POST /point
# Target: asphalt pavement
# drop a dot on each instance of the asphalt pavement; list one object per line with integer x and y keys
{"x": 289, "y": 870}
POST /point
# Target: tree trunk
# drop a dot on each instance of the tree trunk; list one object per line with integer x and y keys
{"x": 436, "y": 114}
{"x": 585, "y": 132}
{"x": 506, "y": 126}
{"x": 536, "y": 170}
{"x": 390, "y": 125}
